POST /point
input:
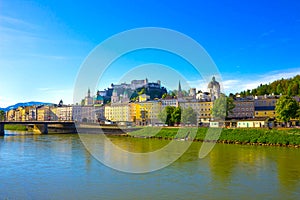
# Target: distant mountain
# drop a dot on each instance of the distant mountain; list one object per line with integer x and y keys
{"x": 31, "y": 103}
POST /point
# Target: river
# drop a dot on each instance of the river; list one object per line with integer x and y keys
{"x": 59, "y": 167}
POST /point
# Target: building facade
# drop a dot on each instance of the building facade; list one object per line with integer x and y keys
{"x": 202, "y": 109}
{"x": 243, "y": 108}
{"x": 264, "y": 106}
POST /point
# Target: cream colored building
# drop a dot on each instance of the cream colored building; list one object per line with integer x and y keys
{"x": 117, "y": 112}
{"x": 10, "y": 115}
{"x": 255, "y": 123}
{"x": 64, "y": 113}
{"x": 43, "y": 113}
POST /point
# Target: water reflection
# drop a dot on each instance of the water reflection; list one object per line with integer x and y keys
{"x": 34, "y": 166}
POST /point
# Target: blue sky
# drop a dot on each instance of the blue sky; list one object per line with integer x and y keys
{"x": 44, "y": 43}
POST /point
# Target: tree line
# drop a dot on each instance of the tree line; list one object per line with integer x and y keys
{"x": 289, "y": 87}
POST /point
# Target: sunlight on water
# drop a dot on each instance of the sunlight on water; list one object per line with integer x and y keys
{"x": 59, "y": 167}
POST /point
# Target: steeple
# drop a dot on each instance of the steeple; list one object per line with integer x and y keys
{"x": 179, "y": 95}
{"x": 89, "y": 93}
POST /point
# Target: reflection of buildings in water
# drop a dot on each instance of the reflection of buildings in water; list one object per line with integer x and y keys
{"x": 223, "y": 160}
{"x": 288, "y": 169}
{"x": 88, "y": 159}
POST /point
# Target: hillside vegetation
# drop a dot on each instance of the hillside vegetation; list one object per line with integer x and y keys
{"x": 284, "y": 86}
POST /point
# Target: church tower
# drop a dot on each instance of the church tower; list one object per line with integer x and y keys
{"x": 114, "y": 97}
{"x": 214, "y": 89}
{"x": 88, "y": 99}
{"x": 179, "y": 93}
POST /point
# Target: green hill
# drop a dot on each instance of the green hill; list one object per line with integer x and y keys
{"x": 289, "y": 86}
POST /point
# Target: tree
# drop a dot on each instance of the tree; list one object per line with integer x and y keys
{"x": 189, "y": 116}
{"x": 142, "y": 91}
{"x": 222, "y": 106}
{"x": 286, "y": 108}
{"x": 279, "y": 89}
{"x": 173, "y": 93}
{"x": 165, "y": 116}
{"x": 176, "y": 115}
{"x": 2, "y": 115}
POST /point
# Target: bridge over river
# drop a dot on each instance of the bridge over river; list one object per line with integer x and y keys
{"x": 40, "y": 126}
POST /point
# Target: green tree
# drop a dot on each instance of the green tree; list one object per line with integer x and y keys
{"x": 142, "y": 91}
{"x": 176, "y": 115}
{"x": 165, "y": 116}
{"x": 286, "y": 108}
{"x": 189, "y": 116}
{"x": 164, "y": 95}
{"x": 2, "y": 115}
{"x": 222, "y": 106}
{"x": 173, "y": 93}
{"x": 279, "y": 89}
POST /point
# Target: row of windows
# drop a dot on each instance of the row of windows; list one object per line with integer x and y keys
{"x": 205, "y": 109}
{"x": 205, "y": 114}
{"x": 241, "y": 114}
{"x": 243, "y": 109}
{"x": 264, "y": 113}
{"x": 244, "y": 104}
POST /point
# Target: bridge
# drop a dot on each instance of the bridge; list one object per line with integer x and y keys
{"x": 38, "y": 126}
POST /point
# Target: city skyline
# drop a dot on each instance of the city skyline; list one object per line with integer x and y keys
{"x": 43, "y": 44}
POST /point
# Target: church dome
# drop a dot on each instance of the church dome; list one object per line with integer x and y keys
{"x": 213, "y": 83}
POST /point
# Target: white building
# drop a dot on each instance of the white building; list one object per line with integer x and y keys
{"x": 85, "y": 114}
{"x": 169, "y": 102}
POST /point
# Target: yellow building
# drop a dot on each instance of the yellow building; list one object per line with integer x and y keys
{"x": 265, "y": 113}
{"x": 147, "y": 112}
{"x": 264, "y": 106}
{"x": 132, "y": 111}
{"x": 21, "y": 114}
{"x": 202, "y": 109}
{"x": 10, "y": 115}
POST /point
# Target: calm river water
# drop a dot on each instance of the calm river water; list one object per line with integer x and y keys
{"x": 59, "y": 167}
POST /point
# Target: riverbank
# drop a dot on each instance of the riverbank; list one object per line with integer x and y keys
{"x": 15, "y": 127}
{"x": 259, "y": 136}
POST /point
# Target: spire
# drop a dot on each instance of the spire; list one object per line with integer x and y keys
{"x": 179, "y": 91}
{"x": 89, "y": 93}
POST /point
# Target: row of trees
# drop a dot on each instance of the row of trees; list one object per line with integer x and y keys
{"x": 175, "y": 115}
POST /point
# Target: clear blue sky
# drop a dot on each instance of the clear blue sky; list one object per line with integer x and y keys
{"x": 43, "y": 43}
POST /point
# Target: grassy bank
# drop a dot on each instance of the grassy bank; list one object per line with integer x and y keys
{"x": 286, "y": 137}
{"x": 15, "y": 127}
